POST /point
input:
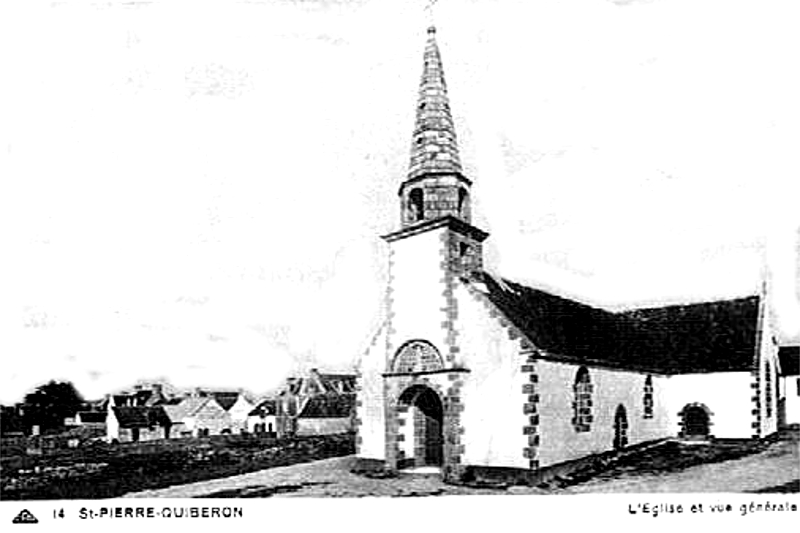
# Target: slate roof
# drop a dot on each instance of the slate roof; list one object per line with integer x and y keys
{"x": 141, "y": 417}
{"x": 140, "y": 398}
{"x": 226, "y": 399}
{"x": 333, "y": 382}
{"x": 93, "y": 417}
{"x": 317, "y": 383}
{"x": 122, "y": 399}
{"x": 265, "y": 408}
{"x": 186, "y": 408}
{"x": 704, "y": 337}
{"x": 790, "y": 360}
{"x": 329, "y": 406}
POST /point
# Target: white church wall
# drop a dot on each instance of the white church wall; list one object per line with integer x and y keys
{"x": 559, "y": 439}
{"x": 370, "y": 416}
{"x": 726, "y": 394}
{"x": 790, "y": 391}
{"x": 492, "y": 395}
{"x": 417, "y": 290}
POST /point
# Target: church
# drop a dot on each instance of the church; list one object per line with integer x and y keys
{"x": 481, "y": 376}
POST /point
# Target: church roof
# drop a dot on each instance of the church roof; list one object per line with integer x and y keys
{"x": 434, "y": 149}
{"x": 790, "y": 360}
{"x": 702, "y": 337}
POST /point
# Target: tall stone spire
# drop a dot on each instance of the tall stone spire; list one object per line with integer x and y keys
{"x": 434, "y": 147}
{"x": 435, "y": 196}
{"x": 435, "y": 186}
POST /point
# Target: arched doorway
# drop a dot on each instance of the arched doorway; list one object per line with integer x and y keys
{"x": 696, "y": 422}
{"x": 426, "y": 416}
{"x": 620, "y": 428}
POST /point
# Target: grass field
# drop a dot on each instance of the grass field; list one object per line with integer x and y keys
{"x": 107, "y": 471}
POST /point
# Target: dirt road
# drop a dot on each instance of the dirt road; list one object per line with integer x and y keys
{"x": 776, "y": 469}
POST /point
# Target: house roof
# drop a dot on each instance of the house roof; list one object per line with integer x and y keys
{"x": 790, "y": 360}
{"x": 138, "y": 398}
{"x": 317, "y": 383}
{"x": 264, "y": 408}
{"x": 186, "y": 408}
{"x": 226, "y": 400}
{"x": 92, "y": 417}
{"x": 702, "y": 337}
{"x": 140, "y": 417}
{"x": 329, "y": 406}
{"x": 338, "y": 382}
{"x": 121, "y": 399}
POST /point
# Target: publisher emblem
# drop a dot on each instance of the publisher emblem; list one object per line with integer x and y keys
{"x": 25, "y": 517}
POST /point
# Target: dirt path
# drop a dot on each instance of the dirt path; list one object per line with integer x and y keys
{"x": 776, "y": 469}
{"x": 329, "y": 477}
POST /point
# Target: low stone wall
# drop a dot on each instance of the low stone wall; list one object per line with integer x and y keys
{"x": 107, "y": 471}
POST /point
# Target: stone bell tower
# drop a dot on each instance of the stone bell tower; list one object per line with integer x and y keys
{"x": 409, "y": 409}
{"x": 435, "y": 191}
{"x": 412, "y": 375}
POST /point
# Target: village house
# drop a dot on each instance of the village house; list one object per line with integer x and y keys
{"x": 140, "y": 396}
{"x": 91, "y": 418}
{"x": 326, "y": 414}
{"x": 198, "y": 416}
{"x": 237, "y": 406}
{"x": 789, "y": 408}
{"x": 137, "y": 424}
{"x": 300, "y": 390}
{"x": 481, "y": 376}
{"x": 263, "y": 417}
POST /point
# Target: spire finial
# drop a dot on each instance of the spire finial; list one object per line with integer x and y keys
{"x": 431, "y": 19}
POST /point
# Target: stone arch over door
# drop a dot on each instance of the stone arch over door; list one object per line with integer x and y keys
{"x": 695, "y": 422}
{"x": 417, "y": 356}
{"x": 620, "y": 427}
{"x": 425, "y": 416}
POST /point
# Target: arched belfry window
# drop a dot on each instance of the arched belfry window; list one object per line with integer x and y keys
{"x": 582, "y": 405}
{"x": 463, "y": 196}
{"x": 647, "y": 399}
{"x": 416, "y": 203}
{"x": 417, "y": 356}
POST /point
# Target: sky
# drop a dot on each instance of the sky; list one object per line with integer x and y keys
{"x": 195, "y": 190}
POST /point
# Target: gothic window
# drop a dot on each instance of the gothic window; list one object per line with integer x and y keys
{"x": 768, "y": 388}
{"x": 648, "y": 397}
{"x": 582, "y": 406}
{"x": 417, "y": 356}
{"x": 415, "y": 205}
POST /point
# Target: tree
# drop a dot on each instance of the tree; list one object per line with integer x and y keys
{"x": 51, "y": 403}
{"x": 10, "y": 420}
